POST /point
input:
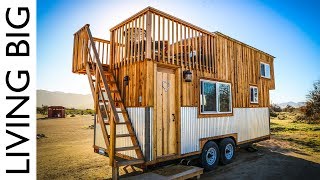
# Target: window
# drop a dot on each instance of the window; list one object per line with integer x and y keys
{"x": 253, "y": 94}
{"x": 215, "y": 97}
{"x": 265, "y": 70}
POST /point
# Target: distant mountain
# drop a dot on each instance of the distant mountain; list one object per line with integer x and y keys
{"x": 293, "y": 104}
{"x": 68, "y": 100}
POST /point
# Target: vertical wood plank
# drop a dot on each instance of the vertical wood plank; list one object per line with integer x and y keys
{"x": 169, "y": 44}
{"x": 149, "y": 27}
{"x": 153, "y": 37}
{"x": 163, "y": 41}
{"x": 189, "y": 48}
{"x": 159, "y": 114}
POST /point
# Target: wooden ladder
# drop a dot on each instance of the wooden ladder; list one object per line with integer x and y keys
{"x": 107, "y": 102}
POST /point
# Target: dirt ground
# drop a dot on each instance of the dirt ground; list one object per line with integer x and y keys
{"x": 66, "y": 153}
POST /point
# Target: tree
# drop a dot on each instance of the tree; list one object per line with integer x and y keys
{"x": 312, "y": 108}
{"x": 42, "y": 110}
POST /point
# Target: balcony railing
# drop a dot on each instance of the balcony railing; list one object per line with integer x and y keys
{"x": 155, "y": 35}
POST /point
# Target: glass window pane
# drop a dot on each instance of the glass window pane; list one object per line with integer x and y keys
{"x": 251, "y": 94}
{"x": 209, "y": 96}
{"x": 256, "y": 95}
{"x": 224, "y": 98}
{"x": 267, "y": 70}
{"x": 262, "y": 70}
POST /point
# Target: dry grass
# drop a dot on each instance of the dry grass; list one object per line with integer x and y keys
{"x": 303, "y": 136}
{"x": 67, "y": 151}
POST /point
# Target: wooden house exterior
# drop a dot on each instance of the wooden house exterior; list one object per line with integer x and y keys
{"x": 163, "y": 88}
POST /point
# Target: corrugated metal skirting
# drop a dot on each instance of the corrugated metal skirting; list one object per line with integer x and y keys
{"x": 138, "y": 120}
{"x": 249, "y": 123}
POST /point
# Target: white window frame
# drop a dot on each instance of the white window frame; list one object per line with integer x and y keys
{"x": 254, "y": 102}
{"x": 265, "y": 72}
{"x": 217, "y": 97}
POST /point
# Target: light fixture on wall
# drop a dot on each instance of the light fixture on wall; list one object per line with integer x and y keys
{"x": 187, "y": 76}
{"x": 126, "y": 81}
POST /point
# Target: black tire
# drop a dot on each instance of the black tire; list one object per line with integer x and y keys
{"x": 227, "y": 149}
{"x": 210, "y": 156}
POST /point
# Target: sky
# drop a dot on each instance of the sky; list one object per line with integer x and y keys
{"x": 289, "y": 30}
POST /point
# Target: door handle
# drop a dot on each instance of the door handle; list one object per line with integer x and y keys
{"x": 173, "y": 117}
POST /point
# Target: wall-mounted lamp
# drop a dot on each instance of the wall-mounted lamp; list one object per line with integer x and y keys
{"x": 126, "y": 80}
{"x": 187, "y": 76}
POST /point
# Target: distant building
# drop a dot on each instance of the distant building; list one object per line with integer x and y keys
{"x": 56, "y": 112}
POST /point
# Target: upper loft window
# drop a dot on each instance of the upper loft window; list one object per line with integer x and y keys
{"x": 215, "y": 97}
{"x": 264, "y": 70}
{"x": 253, "y": 94}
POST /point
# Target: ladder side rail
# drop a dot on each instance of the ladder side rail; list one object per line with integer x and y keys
{"x": 100, "y": 118}
{"x": 114, "y": 115}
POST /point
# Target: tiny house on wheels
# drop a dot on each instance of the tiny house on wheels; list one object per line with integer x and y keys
{"x": 165, "y": 89}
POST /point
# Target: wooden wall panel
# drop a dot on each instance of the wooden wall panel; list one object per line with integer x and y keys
{"x": 140, "y": 83}
{"x": 232, "y": 62}
{"x": 238, "y": 64}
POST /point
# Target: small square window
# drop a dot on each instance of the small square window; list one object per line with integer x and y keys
{"x": 265, "y": 70}
{"x": 253, "y": 94}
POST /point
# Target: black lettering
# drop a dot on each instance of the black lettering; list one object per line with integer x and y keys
{"x": 17, "y": 34}
{"x": 24, "y": 100}
{"x": 17, "y": 46}
{"x": 27, "y": 170}
{"x": 19, "y": 76}
{"x": 22, "y": 139}
{"x": 20, "y": 9}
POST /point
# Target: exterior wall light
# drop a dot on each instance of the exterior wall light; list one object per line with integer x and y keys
{"x": 126, "y": 80}
{"x": 187, "y": 76}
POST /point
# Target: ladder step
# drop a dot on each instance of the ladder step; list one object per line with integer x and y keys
{"x": 119, "y": 111}
{"x": 127, "y": 148}
{"x": 130, "y": 162}
{"x": 123, "y": 135}
{"x": 116, "y": 101}
{"x": 124, "y": 111}
{"x": 120, "y": 123}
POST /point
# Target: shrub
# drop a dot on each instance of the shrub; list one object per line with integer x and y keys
{"x": 272, "y": 113}
{"x": 42, "y": 110}
{"x": 288, "y": 108}
{"x": 276, "y": 108}
{"x": 72, "y": 115}
{"x": 282, "y": 117}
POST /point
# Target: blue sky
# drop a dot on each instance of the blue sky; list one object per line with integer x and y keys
{"x": 289, "y": 30}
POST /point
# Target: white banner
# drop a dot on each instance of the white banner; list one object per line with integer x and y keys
{"x": 18, "y": 89}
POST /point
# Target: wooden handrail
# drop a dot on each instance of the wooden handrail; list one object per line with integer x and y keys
{"x": 101, "y": 40}
{"x": 131, "y": 18}
{"x": 175, "y": 19}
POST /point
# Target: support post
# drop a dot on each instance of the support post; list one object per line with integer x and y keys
{"x": 115, "y": 172}
{"x": 148, "y": 34}
{"x": 112, "y": 140}
{"x": 112, "y": 58}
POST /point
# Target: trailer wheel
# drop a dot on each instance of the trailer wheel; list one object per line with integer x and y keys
{"x": 210, "y": 156}
{"x": 227, "y": 150}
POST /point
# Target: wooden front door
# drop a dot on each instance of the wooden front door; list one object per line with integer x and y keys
{"x": 166, "y": 112}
